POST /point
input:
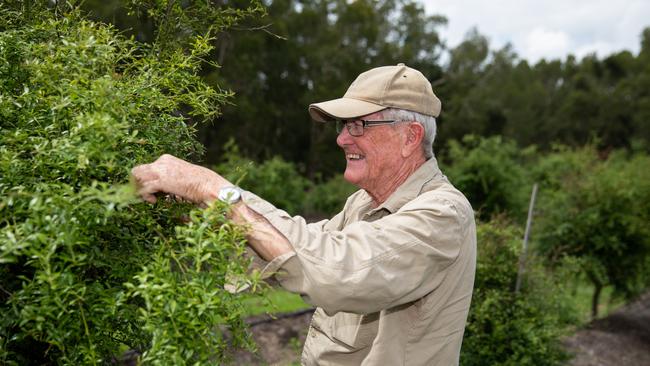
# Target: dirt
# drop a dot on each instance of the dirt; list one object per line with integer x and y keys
{"x": 620, "y": 339}
{"x": 279, "y": 339}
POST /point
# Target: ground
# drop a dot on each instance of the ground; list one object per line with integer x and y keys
{"x": 279, "y": 340}
{"x": 620, "y": 339}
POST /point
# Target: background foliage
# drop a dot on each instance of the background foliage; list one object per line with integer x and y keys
{"x": 310, "y": 51}
{"x": 275, "y": 179}
{"x": 281, "y": 183}
{"x": 302, "y": 52}
{"x": 489, "y": 171}
{"x": 508, "y": 328}
{"x": 599, "y": 213}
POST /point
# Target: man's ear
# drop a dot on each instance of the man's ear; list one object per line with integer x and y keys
{"x": 413, "y": 138}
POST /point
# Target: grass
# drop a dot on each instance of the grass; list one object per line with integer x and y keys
{"x": 582, "y": 293}
{"x": 276, "y": 301}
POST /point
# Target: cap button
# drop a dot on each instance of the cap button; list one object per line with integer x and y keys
{"x": 401, "y": 64}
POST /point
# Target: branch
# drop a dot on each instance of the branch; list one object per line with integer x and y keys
{"x": 264, "y": 28}
{"x": 5, "y": 291}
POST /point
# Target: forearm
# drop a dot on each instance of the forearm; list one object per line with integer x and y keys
{"x": 263, "y": 237}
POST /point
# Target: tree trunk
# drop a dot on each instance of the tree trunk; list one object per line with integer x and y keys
{"x": 598, "y": 287}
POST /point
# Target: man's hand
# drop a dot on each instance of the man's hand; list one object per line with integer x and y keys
{"x": 177, "y": 177}
{"x": 200, "y": 185}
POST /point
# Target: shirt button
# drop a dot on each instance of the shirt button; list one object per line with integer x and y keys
{"x": 313, "y": 334}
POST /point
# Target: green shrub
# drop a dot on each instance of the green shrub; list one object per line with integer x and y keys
{"x": 275, "y": 180}
{"x": 328, "y": 198}
{"x": 553, "y": 169}
{"x": 505, "y": 328}
{"x": 489, "y": 172}
{"x": 87, "y": 272}
{"x": 281, "y": 183}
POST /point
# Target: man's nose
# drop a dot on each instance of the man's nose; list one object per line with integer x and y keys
{"x": 344, "y": 137}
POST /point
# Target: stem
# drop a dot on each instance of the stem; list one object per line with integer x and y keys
{"x": 90, "y": 344}
{"x": 5, "y": 291}
{"x": 164, "y": 23}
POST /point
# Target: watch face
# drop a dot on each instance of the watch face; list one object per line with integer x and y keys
{"x": 229, "y": 195}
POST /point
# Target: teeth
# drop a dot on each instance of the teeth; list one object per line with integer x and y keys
{"x": 353, "y": 156}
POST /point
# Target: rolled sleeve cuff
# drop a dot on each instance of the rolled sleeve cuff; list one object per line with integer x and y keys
{"x": 274, "y": 266}
{"x": 288, "y": 272}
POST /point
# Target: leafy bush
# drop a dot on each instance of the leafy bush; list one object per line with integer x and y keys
{"x": 281, "y": 183}
{"x": 328, "y": 198}
{"x": 489, "y": 172}
{"x": 86, "y": 272}
{"x": 275, "y": 180}
{"x": 505, "y": 328}
{"x": 553, "y": 169}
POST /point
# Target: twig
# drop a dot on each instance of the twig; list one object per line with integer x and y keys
{"x": 262, "y": 28}
{"x": 5, "y": 291}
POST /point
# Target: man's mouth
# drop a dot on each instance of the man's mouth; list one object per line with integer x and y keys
{"x": 354, "y": 156}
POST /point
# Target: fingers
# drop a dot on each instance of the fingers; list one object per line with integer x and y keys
{"x": 144, "y": 173}
{"x": 176, "y": 177}
{"x": 148, "y": 193}
{"x": 146, "y": 180}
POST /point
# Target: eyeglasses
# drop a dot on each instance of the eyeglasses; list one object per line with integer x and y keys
{"x": 355, "y": 127}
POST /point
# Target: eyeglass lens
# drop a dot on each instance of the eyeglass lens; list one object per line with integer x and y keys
{"x": 355, "y": 128}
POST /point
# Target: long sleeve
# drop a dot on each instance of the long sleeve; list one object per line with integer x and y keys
{"x": 367, "y": 266}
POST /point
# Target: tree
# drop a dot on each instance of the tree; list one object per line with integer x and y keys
{"x": 598, "y": 213}
{"x": 86, "y": 271}
{"x": 570, "y": 102}
{"x": 307, "y": 52}
{"x": 640, "y": 84}
{"x": 463, "y": 75}
{"x": 304, "y": 52}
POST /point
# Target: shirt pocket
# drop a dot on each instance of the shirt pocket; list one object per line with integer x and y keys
{"x": 354, "y": 331}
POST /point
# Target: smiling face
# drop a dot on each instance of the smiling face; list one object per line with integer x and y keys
{"x": 373, "y": 159}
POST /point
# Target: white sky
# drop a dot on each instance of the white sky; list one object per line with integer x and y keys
{"x": 547, "y": 29}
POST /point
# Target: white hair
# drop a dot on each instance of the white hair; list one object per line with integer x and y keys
{"x": 428, "y": 122}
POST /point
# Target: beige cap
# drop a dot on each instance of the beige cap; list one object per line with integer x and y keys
{"x": 380, "y": 88}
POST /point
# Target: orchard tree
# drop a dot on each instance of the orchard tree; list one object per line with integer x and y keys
{"x": 597, "y": 211}
{"x": 87, "y": 271}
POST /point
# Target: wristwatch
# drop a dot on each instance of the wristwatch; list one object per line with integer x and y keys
{"x": 230, "y": 194}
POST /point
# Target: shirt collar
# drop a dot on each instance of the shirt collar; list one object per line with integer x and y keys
{"x": 411, "y": 188}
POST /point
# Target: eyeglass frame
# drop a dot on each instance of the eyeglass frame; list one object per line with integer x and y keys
{"x": 365, "y": 123}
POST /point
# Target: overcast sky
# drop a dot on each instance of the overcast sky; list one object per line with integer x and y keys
{"x": 548, "y": 29}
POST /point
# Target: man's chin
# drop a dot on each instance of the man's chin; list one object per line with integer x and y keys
{"x": 352, "y": 177}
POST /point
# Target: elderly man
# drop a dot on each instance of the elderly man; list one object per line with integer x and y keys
{"x": 392, "y": 273}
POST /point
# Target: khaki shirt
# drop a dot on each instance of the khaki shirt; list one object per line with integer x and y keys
{"x": 392, "y": 284}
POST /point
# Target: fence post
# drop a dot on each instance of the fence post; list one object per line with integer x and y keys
{"x": 522, "y": 257}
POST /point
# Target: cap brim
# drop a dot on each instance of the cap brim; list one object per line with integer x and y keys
{"x": 342, "y": 108}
